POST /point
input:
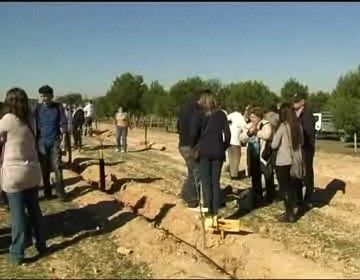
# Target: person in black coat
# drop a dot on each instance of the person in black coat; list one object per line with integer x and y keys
{"x": 77, "y": 124}
{"x": 210, "y": 131}
{"x": 307, "y": 120}
{"x": 188, "y": 111}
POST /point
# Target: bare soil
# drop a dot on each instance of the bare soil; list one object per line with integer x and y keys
{"x": 167, "y": 236}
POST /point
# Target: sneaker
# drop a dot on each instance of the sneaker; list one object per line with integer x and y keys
{"x": 117, "y": 150}
{"x": 203, "y": 209}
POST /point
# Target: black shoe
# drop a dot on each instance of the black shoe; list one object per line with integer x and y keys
{"x": 48, "y": 196}
{"x": 42, "y": 250}
{"x": 193, "y": 204}
{"x": 286, "y": 218}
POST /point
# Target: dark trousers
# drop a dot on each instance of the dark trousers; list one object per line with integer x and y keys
{"x": 3, "y": 199}
{"x": 19, "y": 202}
{"x": 121, "y": 137}
{"x": 210, "y": 172}
{"x": 309, "y": 153}
{"x": 50, "y": 159}
{"x": 88, "y": 126}
{"x": 289, "y": 188}
{"x": 77, "y": 135}
{"x": 256, "y": 175}
{"x": 234, "y": 154}
{"x": 191, "y": 185}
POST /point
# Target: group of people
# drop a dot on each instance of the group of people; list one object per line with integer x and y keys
{"x": 280, "y": 143}
{"x": 281, "y": 140}
{"x": 30, "y": 140}
{"x": 79, "y": 121}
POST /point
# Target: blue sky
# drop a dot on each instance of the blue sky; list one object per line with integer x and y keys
{"x": 82, "y": 47}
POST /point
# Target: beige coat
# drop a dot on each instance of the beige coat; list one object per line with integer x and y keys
{"x": 20, "y": 168}
{"x": 263, "y": 134}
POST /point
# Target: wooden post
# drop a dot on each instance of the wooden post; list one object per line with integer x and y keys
{"x": 146, "y": 130}
{"x": 355, "y": 142}
{"x": 102, "y": 174}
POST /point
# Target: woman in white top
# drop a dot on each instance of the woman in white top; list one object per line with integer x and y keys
{"x": 21, "y": 173}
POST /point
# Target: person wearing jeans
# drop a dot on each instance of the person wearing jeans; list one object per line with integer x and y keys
{"x": 191, "y": 186}
{"x": 121, "y": 122}
{"x": 210, "y": 130}
{"x": 51, "y": 126}
{"x": 21, "y": 175}
{"x": 190, "y": 190}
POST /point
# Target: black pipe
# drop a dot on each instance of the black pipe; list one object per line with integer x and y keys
{"x": 102, "y": 174}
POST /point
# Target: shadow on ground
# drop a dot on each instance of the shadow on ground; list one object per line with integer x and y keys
{"x": 97, "y": 147}
{"x": 119, "y": 184}
{"x": 80, "y": 164}
{"x": 324, "y": 196}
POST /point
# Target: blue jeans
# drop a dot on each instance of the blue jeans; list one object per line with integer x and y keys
{"x": 121, "y": 137}
{"x": 189, "y": 192}
{"x": 18, "y": 202}
{"x": 50, "y": 159}
{"x": 210, "y": 172}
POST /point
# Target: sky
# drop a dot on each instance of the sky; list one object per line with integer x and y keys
{"x": 82, "y": 47}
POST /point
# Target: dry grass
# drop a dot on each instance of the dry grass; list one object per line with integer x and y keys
{"x": 83, "y": 254}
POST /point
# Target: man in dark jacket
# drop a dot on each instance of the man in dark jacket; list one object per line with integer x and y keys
{"x": 189, "y": 190}
{"x": 77, "y": 124}
{"x": 307, "y": 120}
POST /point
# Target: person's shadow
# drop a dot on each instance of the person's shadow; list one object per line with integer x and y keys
{"x": 322, "y": 197}
{"x": 76, "y": 224}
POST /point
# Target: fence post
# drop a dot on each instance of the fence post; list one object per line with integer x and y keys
{"x": 355, "y": 142}
{"x": 146, "y": 130}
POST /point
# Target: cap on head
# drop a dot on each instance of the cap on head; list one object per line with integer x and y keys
{"x": 46, "y": 90}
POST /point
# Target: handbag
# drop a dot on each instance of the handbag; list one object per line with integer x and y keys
{"x": 195, "y": 151}
{"x": 297, "y": 169}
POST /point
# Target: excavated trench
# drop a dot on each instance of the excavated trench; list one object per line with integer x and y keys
{"x": 167, "y": 236}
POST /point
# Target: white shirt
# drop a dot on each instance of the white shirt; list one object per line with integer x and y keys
{"x": 236, "y": 127}
{"x": 89, "y": 110}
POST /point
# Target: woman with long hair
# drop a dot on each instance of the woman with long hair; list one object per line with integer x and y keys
{"x": 210, "y": 130}
{"x": 256, "y": 134}
{"x": 21, "y": 173}
{"x": 287, "y": 141}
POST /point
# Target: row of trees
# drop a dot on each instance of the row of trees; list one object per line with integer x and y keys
{"x": 130, "y": 91}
